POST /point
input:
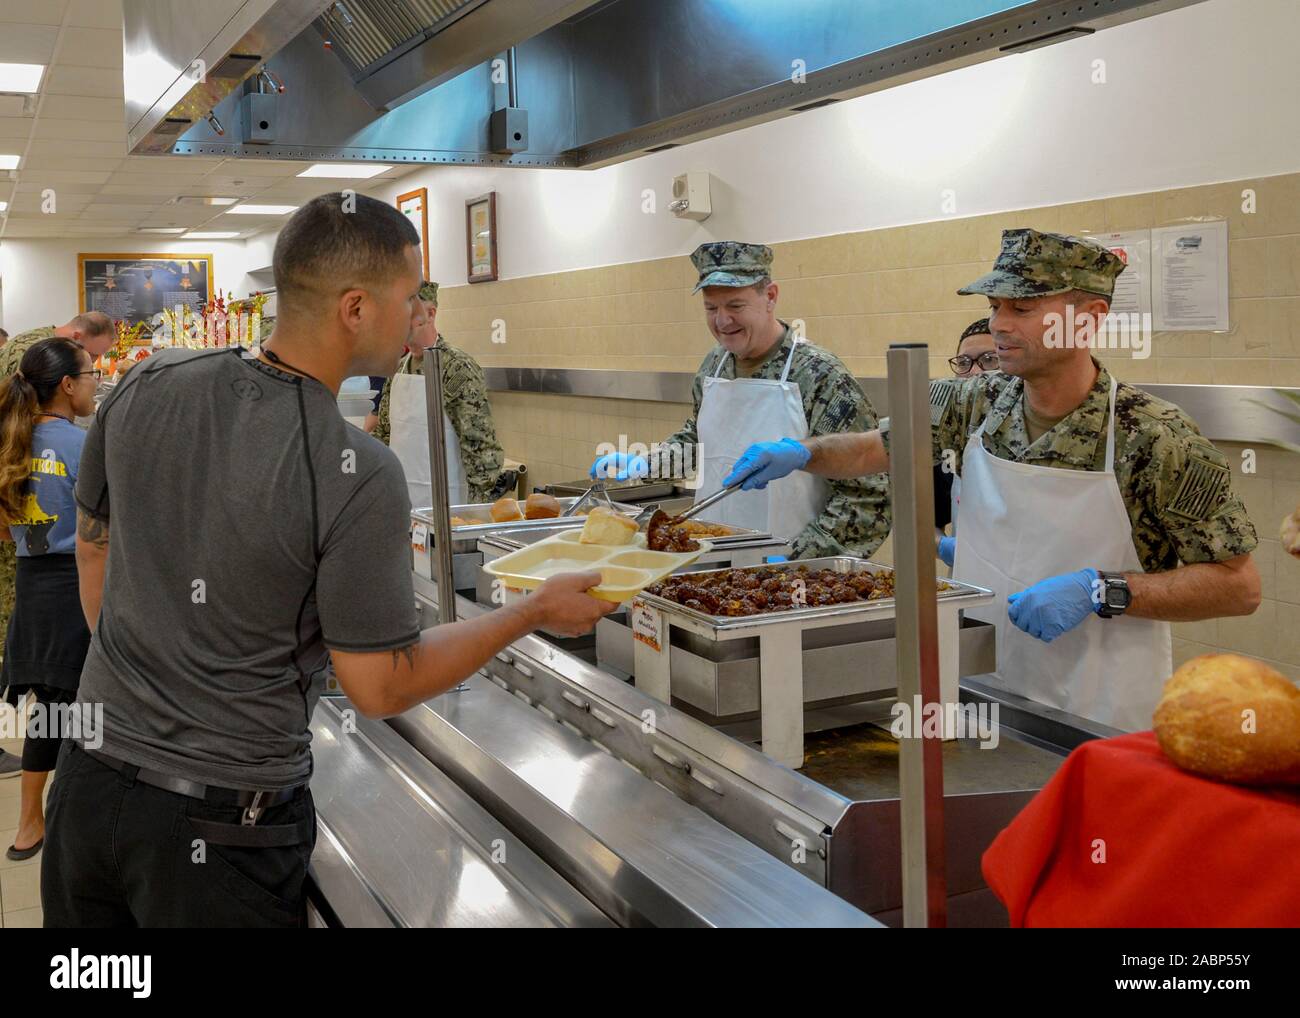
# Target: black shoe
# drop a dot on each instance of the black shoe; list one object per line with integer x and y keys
{"x": 19, "y": 854}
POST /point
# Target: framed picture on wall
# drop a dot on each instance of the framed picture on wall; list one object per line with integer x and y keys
{"x": 136, "y": 287}
{"x": 415, "y": 206}
{"x": 481, "y": 238}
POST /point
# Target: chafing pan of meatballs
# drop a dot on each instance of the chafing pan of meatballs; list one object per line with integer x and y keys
{"x": 761, "y": 590}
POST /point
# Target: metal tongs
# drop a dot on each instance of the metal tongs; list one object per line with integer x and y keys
{"x": 700, "y": 506}
{"x": 596, "y": 490}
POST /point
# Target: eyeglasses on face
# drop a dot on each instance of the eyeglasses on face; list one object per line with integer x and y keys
{"x": 961, "y": 364}
{"x": 94, "y": 373}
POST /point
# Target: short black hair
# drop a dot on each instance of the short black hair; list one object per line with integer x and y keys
{"x": 338, "y": 241}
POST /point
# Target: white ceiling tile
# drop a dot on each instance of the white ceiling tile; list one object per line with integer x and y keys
{"x": 170, "y": 164}
{"x": 15, "y": 127}
{"x": 44, "y": 12}
{"x": 116, "y": 212}
{"x": 96, "y": 14}
{"x": 69, "y": 160}
{"x": 254, "y": 167}
{"x": 142, "y": 186}
{"x": 62, "y": 187}
{"x": 28, "y": 44}
{"x": 91, "y": 47}
{"x": 70, "y": 80}
{"x": 86, "y": 150}
{"x": 80, "y": 130}
{"x": 79, "y": 107}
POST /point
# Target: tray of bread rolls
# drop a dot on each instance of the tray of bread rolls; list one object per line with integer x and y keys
{"x": 470, "y": 522}
{"x": 609, "y": 542}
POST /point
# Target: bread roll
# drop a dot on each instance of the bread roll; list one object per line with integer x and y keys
{"x": 605, "y": 526}
{"x": 504, "y": 510}
{"x": 1290, "y": 533}
{"x": 1233, "y": 719}
{"x": 540, "y": 506}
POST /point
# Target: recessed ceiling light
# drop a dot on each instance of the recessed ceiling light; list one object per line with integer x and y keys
{"x": 218, "y": 235}
{"x": 21, "y": 77}
{"x": 260, "y": 210}
{"x": 4, "y": 206}
{"x": 8, "y": 161}
{"x": 161, "y": 229}
{"x": 358, "y": 171}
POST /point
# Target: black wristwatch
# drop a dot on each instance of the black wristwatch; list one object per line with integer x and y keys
{"x": 1115, "y": 595}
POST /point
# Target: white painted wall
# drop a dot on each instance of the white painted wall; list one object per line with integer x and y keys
{"x": 40, "y": 275}
{"x": 1204, "y": 94}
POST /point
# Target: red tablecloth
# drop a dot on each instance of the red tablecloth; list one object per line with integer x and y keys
{"x": 1180, "y": 850}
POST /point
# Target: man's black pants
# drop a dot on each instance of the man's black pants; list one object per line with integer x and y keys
{"x": 119, "y": 852}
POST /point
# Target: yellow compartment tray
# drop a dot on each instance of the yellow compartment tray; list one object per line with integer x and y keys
{"x": 625, "y": 569}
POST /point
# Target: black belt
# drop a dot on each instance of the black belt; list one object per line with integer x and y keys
{"x": 254, "y": 802}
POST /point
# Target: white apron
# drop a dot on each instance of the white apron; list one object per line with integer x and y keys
{"x": 734, "y": 414}
{"x": 408, "y": 437}
{"x": 1021, "y": 524}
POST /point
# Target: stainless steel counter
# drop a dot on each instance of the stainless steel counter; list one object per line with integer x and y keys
{"x": 614, "y": 807}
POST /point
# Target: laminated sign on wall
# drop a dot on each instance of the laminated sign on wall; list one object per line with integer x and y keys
{"x": 1189, "y": 284}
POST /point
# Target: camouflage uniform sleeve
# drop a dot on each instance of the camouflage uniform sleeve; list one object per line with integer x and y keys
{"x": 951, "y": 400}
{"x": 1187, "y": 485}
{"x": 382, "y": 430}
{"x": 465, "y": 396}
{"x": 857, "y": 516}
{"x": 687, "y": 437}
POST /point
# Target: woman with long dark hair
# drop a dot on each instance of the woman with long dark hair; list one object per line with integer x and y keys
{"x": 40, "y": 451}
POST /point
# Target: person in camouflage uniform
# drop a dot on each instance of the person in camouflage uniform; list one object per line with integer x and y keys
{"x": 856, "y": 517}
{"x": 95, "y": 332}
{"x": 465, "y": 398}
{"x": 1175, "y": 485}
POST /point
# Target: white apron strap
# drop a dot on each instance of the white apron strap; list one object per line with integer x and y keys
{"x": 785, "y": 373}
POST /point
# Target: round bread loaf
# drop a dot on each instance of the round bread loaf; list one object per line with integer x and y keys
{"x": 1231, "y": 718}
{"x": 540, "y": 506}
{"x": 504, "y": 510}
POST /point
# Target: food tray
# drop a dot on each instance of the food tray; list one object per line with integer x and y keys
{"x": 626, "y": 569}
{"x": 960, "y": 595}
{"x": 465, "y": 539}
{"x": 522, "y": 539}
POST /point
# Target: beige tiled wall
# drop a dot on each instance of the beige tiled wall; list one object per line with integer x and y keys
{"x": 859, "y": 292}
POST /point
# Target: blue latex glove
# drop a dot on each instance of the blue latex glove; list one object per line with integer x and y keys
{"x": 620, "y": 467}
{"x": 1055, "y": 605}
{"x": 947, "y": 550}
{"x": 767, "y": 461}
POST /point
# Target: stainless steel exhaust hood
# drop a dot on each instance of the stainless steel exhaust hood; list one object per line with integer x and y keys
{"x": 418, "y": 80}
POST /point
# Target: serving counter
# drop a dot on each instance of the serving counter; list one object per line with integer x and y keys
{"x": 548, "y": 791}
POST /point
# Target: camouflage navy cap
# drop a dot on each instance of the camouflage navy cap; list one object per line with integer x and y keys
{"x": 731, "y": 263}
{"x": 429, "y": 292}
{"x": 1036, "y": 264}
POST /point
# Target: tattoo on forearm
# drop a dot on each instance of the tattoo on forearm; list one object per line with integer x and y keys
{"x": 408, "y": 652}
{"x": 91, "y": 530}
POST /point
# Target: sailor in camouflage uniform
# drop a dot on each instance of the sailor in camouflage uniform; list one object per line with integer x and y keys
{"x": 761, "y": 379}
{"x": 475, "y": 465}
{"x": 94, "y": 331}
{"x": 1095, "y": 511}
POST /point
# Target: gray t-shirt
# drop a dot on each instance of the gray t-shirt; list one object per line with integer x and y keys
{"x": 250, "y": 529}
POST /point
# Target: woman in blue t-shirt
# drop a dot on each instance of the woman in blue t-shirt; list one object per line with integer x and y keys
{"x": 40, "y": 451}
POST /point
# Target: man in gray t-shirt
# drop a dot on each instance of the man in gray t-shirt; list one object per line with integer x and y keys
{"x": 236, "y": 538}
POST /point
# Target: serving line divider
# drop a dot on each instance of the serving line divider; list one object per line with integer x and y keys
{"x": 920, "y": 759}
